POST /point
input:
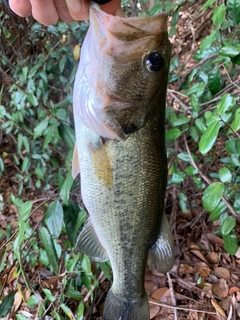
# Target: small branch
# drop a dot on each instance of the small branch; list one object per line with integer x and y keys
{"x": 172, "y": 295}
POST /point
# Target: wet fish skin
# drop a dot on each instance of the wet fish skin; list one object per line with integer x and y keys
{"x": 123, "y": 161}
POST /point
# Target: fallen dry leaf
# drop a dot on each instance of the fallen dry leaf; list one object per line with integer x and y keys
{"x": 185, "y": 269}
{"x": 218, "y": 309}
{"x": 17, "y": 301}
{"x": 203, "y": 271}
{"x": 233, "y": 290}
{"x": 212, "y": 257}
{"x": 220, "y": 288}
{"x": 215, "y": 240}
{"x": 199, "y": 255}
{"x": 158, "y": 294}
{"x": 222, "y": 273}
{"x": 150, "y": 286}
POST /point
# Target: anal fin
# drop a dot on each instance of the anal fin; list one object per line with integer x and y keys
{"x": 161, "y": 255}
{"x": 88, "y": 243}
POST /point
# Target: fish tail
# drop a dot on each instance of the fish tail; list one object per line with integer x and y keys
{"x": 116, "y": 308}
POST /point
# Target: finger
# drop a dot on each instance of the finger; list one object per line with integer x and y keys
{"x": 44, "y": 11}
{"x": 111, "y": 7}
{"x": 21, "y": 7}
{"x": 79, "y": 9}
{"x": 62, "y": 11}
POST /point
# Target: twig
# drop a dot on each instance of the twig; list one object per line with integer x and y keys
{"x": 172, "y": 295}
{"x": 161, "y": 304}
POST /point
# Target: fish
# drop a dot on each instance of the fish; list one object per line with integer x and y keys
{"x": 119, "y": 102}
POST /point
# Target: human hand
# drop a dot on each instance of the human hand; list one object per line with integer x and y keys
{"x": 49, "y": 11}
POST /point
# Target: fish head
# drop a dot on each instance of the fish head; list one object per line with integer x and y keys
{"x": 126, "y": 72}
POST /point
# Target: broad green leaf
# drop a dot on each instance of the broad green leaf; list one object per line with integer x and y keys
{"x": 231, "y": 243}
{"x": 105, "y": 267}
{"x": 54, "y": 218}
{"x": 220, "y": 208}
{"x": 49, "y": 247}
{"x": 233, "y": 10}
{"x": 225, "y": 175}
{"x": 6, "y": 305}
{"x": 231, "y": 145}
{"x": 194, "y": 133}
{"x": 225, "y": 104}
{"x": 191, "y": 171}
{"x": 236, "y": 122}
{"x": 184, "y": 156}
{"x": 218, "y": 15}
{"x": 214, "y": 81}
{"x": 74, "y": 217}
{"x": 21, "y": 317}
{"x": 67, "y": 134}
{"x": 32, "y": 301}
{"x": 32, "y": 99}
{"x": 176, "y": 178}
{"x": 229, "y": 50}
{"x": 66, "y": 187}
{"x": 66, "y": 310}
{"x": 237, "y": 203}
{"x": 49, "y": 295}
{"x": 80, "y": 311}
{"x": 208, "y": 41}
{"x": 228, "y": 225}
{"x": 212, "y": 195}
{"x": 183, "y": 202}
{"x": 200, "y": 125}
{"x": 208, "y": 138}
{"x": 207, "y": 4}
{"x": 25, "y": 164}
{"x": 173, "y": 134}
{"x": 86, "y": 264}
{"x": 41, "y": 127}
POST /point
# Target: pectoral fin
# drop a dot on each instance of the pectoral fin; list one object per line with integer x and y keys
{"x": 161, "y": 255}
{"x": 88, "y": 243}
{"x": 75, "y": 162}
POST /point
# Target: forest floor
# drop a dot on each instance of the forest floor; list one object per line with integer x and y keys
{"x": 205, "y": 280}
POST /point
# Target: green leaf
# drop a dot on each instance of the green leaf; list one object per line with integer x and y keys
{"x": 236, "y": 122}
{"x": 231, "y": 145}
{"x": 86, "y": 264}
{"x": 220, "y": 208}
{"x": 207, "y": 4}
{"x": 67, "y": 134}
{"x": 25, "y": 164}
{"x": 32, "y": 301}
{"x": 183, "y": 202}
{"x": 228, "y": 225}
{"x": 184, "y": 156}
{"x": 233, "y": 10}
{"x": 214, "y": 81}
{"x": 66, "y": 310}
{"x": 212, "y": 195}
{"x": 32, "y": 99}
{"x": 208, "y": 41}
{"x": 80, "y": 311}
{"x": 54, "y": 218}
{"x": 105, "y": 267}
{"x": 6, "y": 305}
{"x": 229, "y": 50}
{"x": 41, "y": 127}
{"x": 225, "y": 175}
{"x": 74, "y": 217}
{"x": 49, "y": 295}
{"x": 173, "y": 134}
{"x": 225, "y": 104}
{"x": 209, "y": 137}
{"x": 200, "y": 125}
{"x": 66, "y": 188}
{"x": 49, "y": 247}
{"x": 191, "y": 171}
{"x": 236, "y": 204}
{"x": 219, "y": 15}
{"x": 230, "y": 243}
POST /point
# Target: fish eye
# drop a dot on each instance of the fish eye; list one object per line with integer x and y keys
{"x": 154, "y": 62}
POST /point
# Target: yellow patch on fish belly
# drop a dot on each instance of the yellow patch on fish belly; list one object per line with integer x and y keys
{"x": 102, "y": 166}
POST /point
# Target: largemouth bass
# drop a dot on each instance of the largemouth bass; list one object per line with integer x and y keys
{"x": 119, "y": 113}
